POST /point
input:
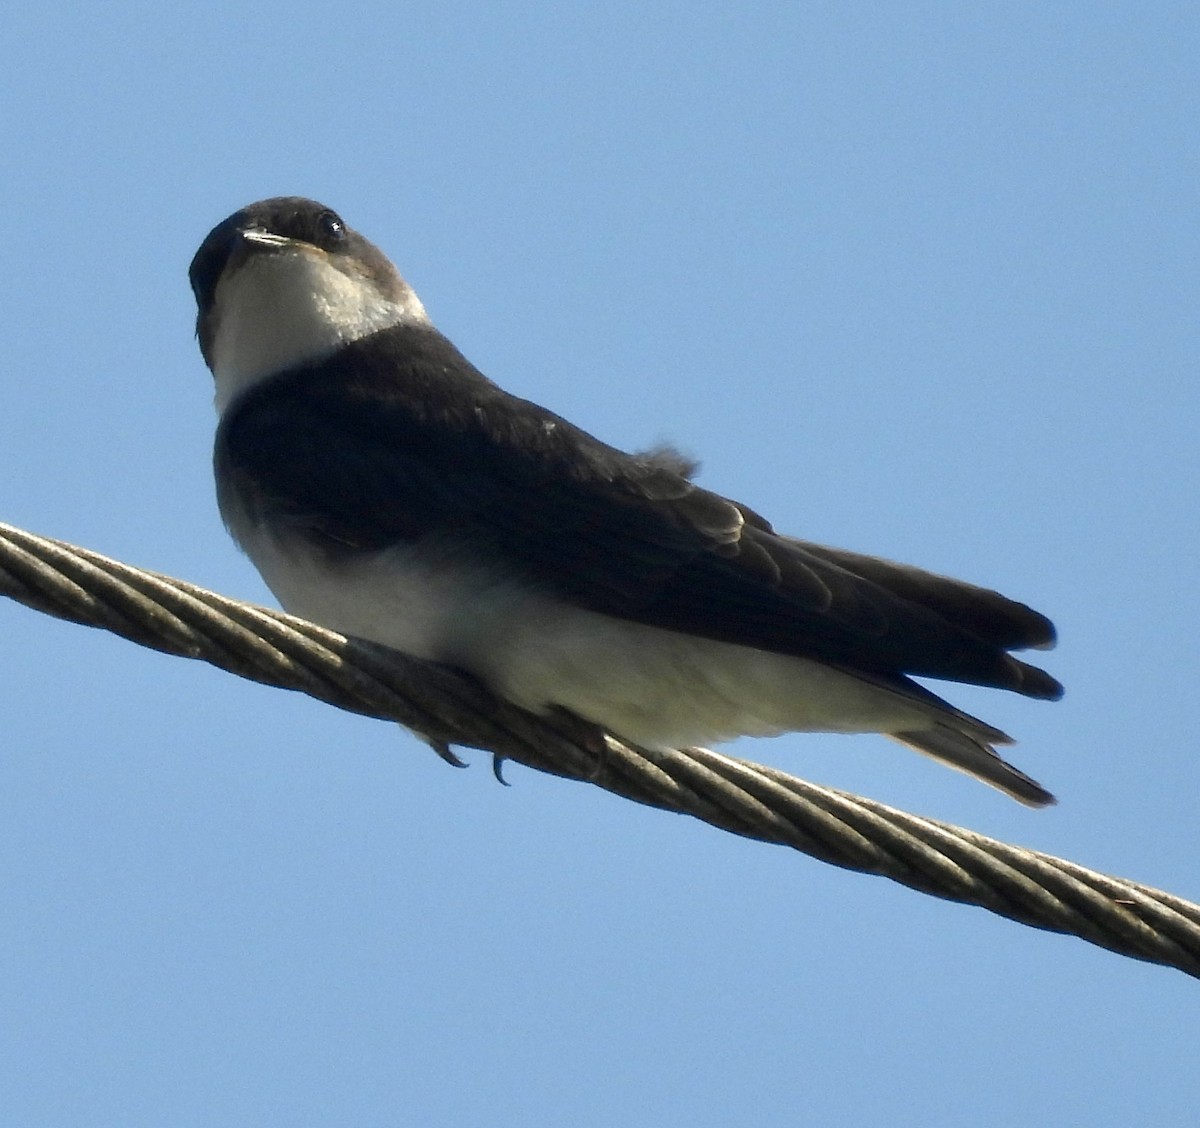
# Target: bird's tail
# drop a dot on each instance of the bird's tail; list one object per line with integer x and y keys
{"x": 975, "y": 756}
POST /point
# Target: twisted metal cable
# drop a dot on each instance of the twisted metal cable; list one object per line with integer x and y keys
{"x": 447, "y": 708}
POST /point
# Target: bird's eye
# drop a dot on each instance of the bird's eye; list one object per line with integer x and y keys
{"x": 332, "y": 229}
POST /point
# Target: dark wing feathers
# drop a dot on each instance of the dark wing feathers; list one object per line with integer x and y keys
{"x": 1002, "y": 621}
{"x": 400, "y": 441}
{"x": 864, "y": 621}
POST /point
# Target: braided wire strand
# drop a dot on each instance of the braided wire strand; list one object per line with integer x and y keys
{"x": 446, "y": 707}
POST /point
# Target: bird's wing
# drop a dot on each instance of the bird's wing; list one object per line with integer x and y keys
{"x": 385, "y": 445}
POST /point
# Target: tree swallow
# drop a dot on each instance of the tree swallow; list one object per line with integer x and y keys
{"x": 385, "y": 488}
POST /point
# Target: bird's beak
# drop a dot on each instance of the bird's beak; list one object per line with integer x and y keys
{"x": 265, "y": 238}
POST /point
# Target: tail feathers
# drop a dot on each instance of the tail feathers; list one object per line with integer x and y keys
{"x": 972, "y": 755}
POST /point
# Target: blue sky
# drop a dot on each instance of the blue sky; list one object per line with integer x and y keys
{"x": 917, "y": 279}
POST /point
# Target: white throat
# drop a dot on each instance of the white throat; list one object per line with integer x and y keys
{"x": 283, "y": 310}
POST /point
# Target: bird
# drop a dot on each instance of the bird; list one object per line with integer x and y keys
{"x": 385, "y": 488}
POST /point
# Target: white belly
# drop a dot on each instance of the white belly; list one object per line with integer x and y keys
{"x": 655, "y": 687}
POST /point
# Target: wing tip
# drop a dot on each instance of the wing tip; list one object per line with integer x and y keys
{"x": 1033, "y": 681}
